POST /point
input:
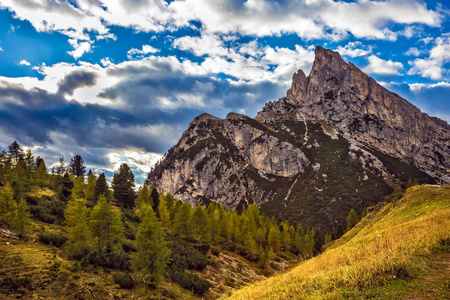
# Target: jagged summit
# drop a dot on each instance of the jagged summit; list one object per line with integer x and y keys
{"x": 337, "y": 140}
{"x": 361, "y": 109}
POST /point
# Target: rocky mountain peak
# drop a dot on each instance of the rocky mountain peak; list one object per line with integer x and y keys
{"x": 359, "y": 108}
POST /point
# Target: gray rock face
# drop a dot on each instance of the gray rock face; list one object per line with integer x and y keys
{"x": 359, "y": 108}
{"x": 223, "y": 160}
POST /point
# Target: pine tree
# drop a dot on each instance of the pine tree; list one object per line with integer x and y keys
{"x": 106, "y": 225}
{"x": 61, "y": 168}
{"x": 101, "y": 187}
{"x": 15, "y": 152}
{"x": 90, "y": 186}
{"x": 77, "y": 166}
{"x": 154, "y": 198}
{"x": 77, "y": 221}
{"x": 352, "y": 219}
{"x": 21, "y": 219}
{"x": 123, "y": 187}
{"x": 8, "y": 205}
{"x": 151, "y": 249}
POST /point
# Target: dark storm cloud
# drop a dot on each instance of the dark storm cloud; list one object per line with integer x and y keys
{"x": 75, "y": 80}
{"x": 37, "y": 117}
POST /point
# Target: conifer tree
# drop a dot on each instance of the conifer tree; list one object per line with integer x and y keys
{"x": 8, "y": 205}
{"x": 106, "y": 225}
{"x": 79, "y": 235}
{"x": 151, "y": 249}
{"x": 78, "y": 187}
{"x": 101, "y": 187}
{"x": 90, "y": 186}
{"x": 154, "y": 198}
{"x": 163, "y": 212}
{"x": 15, "y": 152}
{"x": 77, "y": 166}
{"x": 183, "y": 221}
{"x": 123, "y": 187}
{"x": 274, "y": 238}
{"x": 200, "y": 224}
{"x": 41, "y": 173}
{"x": 352, "y": 219}
{"x": 21, "y": 219}
{"x": 143, "y": 196}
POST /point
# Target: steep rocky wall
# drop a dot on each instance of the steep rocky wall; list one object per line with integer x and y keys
{"x": 361, "y": 109}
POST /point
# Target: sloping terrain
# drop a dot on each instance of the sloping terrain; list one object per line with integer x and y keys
{"x": 337, "y": 141}
{"x": 393, "y": 253}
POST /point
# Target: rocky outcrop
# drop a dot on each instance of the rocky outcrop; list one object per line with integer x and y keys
{"x": 359, "y": 108}
{"x": 223, "y": 161}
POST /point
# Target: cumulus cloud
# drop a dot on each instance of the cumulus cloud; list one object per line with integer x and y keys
{"x": 76, "y": 80}
{"x": 80, "y": 48}
{"x": 307, "y": 19}
{"x": 383, "y": 67}
{"x": 354, "y": 49}
{"x": 23, "y": 62}
{"x": 137, "y": 53}
{"x": 432, "y": 66}
{"x": 413, "y": 51}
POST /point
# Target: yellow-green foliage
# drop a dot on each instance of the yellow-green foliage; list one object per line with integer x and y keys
{"x": 384, "y": 247}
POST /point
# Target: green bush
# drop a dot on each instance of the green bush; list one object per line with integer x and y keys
{"x": 111, "y": 259}
{"x": 54, "y": 239}
{"x": 185, "y": 256}
{"x": 189, "y": 281}
{"x": 125, "y": 281}
{"x": 15, "y": 282}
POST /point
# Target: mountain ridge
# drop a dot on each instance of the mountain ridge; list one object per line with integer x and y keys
{"x": 312, "y": 155}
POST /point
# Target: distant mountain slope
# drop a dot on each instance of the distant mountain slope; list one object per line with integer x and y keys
{"x": 391, "y": 254}
{"x": 337, "y": 141}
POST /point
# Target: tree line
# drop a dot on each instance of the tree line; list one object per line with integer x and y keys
{"x": 116, "y": 227}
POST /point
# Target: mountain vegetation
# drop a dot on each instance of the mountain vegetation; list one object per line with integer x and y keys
{"x": 145, "y": 239}
{"x": 391, "y": 254}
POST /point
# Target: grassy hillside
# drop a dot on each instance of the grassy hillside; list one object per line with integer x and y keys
{"x": 400, "y": 251}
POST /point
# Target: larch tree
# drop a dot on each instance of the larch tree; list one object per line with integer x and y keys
{"x": 143, "y": 196}
{"x": 123, "y": 187}
{"x": 200, "y": 225}
{"x": 274, "y": 238}
{"x": 163, "y": 212}
{"x": 106, "y": 225}
{"x": 151, "y": 248}
{"x": 183, "y": 221}
{"x": 8, "y": 205}
{"x": 90, "y": 186}
{"x": 352, "y": 219}
{"x": 21, "y": 219}
{"x": 79, "y": 233}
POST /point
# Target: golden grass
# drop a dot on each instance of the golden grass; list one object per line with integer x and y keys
{"x": 387, "y": 246}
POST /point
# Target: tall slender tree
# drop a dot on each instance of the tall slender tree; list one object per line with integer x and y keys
{"x": 77, "y": 166}
{"x": 8, "y": 205}
{"x": 151, "y": 248}
{"x": 101, "y": 187}
{"x": 21, "y": 219}
{"x": 90, "y": 186}
{"x": 123, "y": 186}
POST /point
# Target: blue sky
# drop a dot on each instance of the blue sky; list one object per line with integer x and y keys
{"x": 119, "y": 81}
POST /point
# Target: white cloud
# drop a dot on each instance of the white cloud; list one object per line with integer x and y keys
{"x": 384, "y": 67}
{"x": 414, "y": 87}
{"x": 307, "y": 19}
{"x": 136, "y": 53}
{"x": 80, "y": 48}
{"x": 354, "y": 49}
{"x": 134, "y": 157}
{"x": 23, "y": 62}
{"x": 413, "y": 51}
{"x": 432, "y": 67}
